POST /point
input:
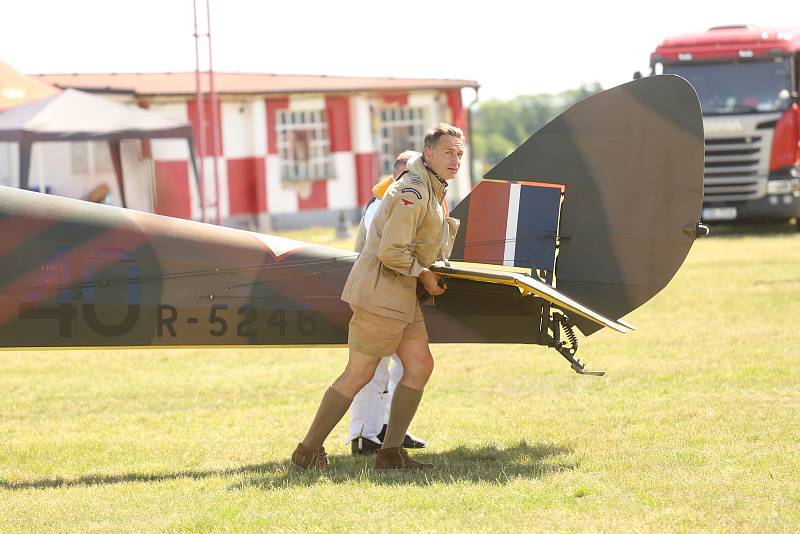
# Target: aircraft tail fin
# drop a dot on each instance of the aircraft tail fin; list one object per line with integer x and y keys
{"x": 630, "y": 164}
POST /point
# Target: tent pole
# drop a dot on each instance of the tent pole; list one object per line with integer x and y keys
{"x": 40, "y": 168}
{"x": 24, "y": 163}
{"x": 115, "y": 148}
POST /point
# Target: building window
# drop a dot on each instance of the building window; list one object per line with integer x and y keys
{"x": 402, "y": 128}
{"x": 303, "y": 145}
{"x": 90, "y": 158}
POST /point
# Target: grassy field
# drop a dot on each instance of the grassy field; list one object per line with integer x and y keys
{"x": 696, "y": 426}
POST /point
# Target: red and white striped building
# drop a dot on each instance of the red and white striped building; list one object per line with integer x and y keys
{"x": 294, "y": 151}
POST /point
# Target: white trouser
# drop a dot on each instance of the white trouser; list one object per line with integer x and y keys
{"x": 370, "y": 408}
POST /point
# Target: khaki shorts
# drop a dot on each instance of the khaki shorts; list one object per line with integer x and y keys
{"x": 379, "y": 336}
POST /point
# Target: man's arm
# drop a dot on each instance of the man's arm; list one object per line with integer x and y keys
{"x": 404, "y": 212}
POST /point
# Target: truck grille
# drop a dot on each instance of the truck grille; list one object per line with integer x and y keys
{"x": 731, "y": 169}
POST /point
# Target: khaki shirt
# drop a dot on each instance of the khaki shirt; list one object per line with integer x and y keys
{"x": 405, "y": 237}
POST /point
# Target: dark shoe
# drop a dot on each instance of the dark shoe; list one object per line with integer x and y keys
{"x": 413, "y": 442}
{"x": 363, "y": 446}
{"x": 398, "y": 458}
{"x": 409, "y": 442}
{"x": 307, "y": 458}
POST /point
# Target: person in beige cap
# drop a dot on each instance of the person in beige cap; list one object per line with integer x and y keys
{"x": 405, "y": 238}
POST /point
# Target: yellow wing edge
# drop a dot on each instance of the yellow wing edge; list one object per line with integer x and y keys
{"x": 528, "y": 285}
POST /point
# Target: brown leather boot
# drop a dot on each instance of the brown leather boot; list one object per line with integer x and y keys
{"x": 397, "y": 458}
{"x": 308, "y": 458}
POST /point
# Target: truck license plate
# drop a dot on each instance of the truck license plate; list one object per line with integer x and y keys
{"x": 727, "y": 213}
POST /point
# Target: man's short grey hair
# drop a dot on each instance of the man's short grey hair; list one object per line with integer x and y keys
{"x": 436, "y": 132}
{"x": 402, "y": 159}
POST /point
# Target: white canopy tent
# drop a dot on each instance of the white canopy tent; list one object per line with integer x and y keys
{"x": 74, "y": 115}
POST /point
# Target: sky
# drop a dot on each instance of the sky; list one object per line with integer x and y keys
{"x": 510, "y": 48}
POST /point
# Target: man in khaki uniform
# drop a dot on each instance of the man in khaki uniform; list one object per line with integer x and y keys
{"x": 406, "y": 237}
{"x": 369, "y": 411}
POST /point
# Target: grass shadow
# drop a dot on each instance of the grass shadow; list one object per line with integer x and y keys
{"x": 482, "y": 464}
{"x": 101, "y": 480}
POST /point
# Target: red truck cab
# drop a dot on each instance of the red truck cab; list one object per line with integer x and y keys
{"x": 747, "y": 80}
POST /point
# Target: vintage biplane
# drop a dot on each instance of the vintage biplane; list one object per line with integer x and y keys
{"x": 582, "y": 223}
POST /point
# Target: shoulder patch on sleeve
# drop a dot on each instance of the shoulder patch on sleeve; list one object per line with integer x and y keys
{"x": 412, "y": 191}
{"x": 416, "y": 180}
{"x": 406, "y": 202}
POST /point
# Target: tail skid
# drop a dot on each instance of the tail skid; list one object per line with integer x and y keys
{"x": 567, "y": 349}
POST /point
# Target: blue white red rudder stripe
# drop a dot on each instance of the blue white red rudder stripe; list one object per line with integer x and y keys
{"x": 509, "y": 223}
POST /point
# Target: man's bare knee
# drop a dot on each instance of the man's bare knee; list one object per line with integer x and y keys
{"x": 428, "y": 366}
{"x": 417, "y": 363}
{"x": 359, "y": 371}
{"x": 423, "y": 367}
{"x": 363, "y": 375}
{"x": 350, "y": 382}
{"x": 417, "y": 371}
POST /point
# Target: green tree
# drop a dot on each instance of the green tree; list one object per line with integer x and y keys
{"x": 499, "y": 126}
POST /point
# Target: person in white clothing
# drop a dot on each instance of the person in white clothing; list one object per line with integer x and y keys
{"x": 369, "y": 412}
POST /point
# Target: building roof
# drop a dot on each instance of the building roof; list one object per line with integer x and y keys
{"x": 183, "y": 83}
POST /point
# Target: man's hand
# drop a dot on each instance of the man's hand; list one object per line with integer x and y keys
{"x": 430, "y": 281}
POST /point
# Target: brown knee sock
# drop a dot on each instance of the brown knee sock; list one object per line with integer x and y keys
{"x": 404, "y": 405}
{"x": 331, "y": 410}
